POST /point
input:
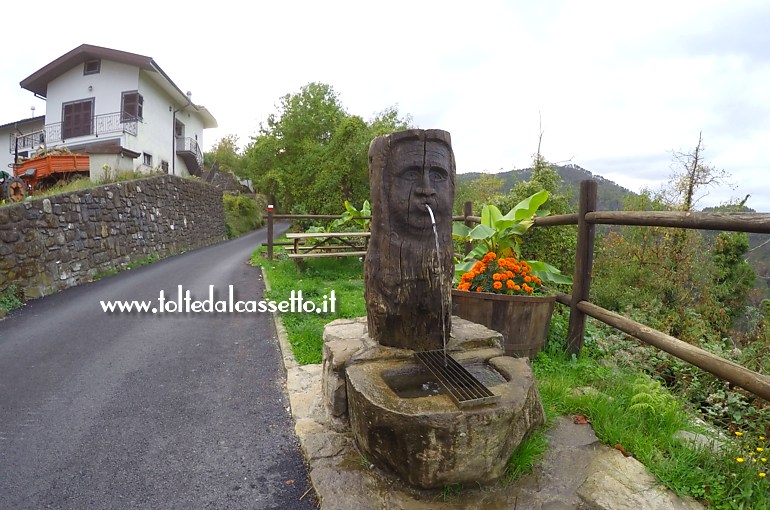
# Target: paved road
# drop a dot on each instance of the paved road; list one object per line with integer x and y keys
{"x": 142, "y": 411}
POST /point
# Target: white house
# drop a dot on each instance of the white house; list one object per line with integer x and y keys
{"x": 120, "y": 108}
{"x": 11, "y": 131}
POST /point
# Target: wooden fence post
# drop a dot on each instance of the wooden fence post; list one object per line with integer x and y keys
{"x": 584, "y": 259}
{"x": 468, "y": 211}
{"x": 270, "y": 232}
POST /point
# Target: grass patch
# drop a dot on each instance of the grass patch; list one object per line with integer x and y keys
{"x": 630, "y": 410}
{"x": 11, "y": 299}
{"x": 319, "y": 277}
{"x": 81, "y": 183}
{"x": 149, "y": 259}
{"x": 625, "y": 406}
{"x": 528, "y": 453}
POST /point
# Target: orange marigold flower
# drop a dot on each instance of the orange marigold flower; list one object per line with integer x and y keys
{"x": 479, "y": 289}
{"x": 510, "y": 284}
{"x": 498, "y": 285}
{"x": 517, "y": 287}
{"x": 509, "y": 274}
{"x": 528, "y": 279}
{"x": 496, "y": 277}
{"x": 489, "y": 257}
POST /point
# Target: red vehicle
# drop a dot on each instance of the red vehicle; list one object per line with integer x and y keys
{"x": 42, "y": 172}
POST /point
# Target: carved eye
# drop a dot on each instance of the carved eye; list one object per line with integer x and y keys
{"x": 411, "y": 174}
{"x": 438, "y": 174}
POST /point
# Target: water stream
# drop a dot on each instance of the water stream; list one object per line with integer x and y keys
{"x": 441, "y": 282}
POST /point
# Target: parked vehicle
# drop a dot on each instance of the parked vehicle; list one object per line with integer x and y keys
{"x": 41, "y": 172}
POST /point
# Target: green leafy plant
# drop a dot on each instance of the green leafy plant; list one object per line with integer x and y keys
{"x": 11, "y": 299}
{"x": 352, "y": 217}
{"x": 242, "y": 215}
{"x": 501, "y": 234}
{"x": 650, "y": 397}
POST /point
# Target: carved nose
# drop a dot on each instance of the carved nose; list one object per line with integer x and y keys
{"x": 426, "y": 186}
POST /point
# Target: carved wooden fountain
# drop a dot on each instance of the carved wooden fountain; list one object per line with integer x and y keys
{"x": 400, "y": 418}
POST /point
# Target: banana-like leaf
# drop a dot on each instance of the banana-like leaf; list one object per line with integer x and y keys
{"x": 480, "y": 232}
{"x": 527, "y": 207}
{"x": 476, "y": 254}
{"x": 460, "y": 231}
{"x": 548, "y": 273}
{"x": 490, "y": 215}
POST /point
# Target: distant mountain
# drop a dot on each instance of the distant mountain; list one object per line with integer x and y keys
{"x": 610, "y": 194}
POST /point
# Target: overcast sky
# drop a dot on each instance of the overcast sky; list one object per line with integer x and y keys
{"x": 618, "y": 85}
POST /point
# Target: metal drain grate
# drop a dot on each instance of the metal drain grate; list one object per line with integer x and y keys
{"x": 462, "y": 386}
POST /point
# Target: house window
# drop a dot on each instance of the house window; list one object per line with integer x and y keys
{"x": 164, "y": 165}
{"x": 77, "y": 118}
{"x": 132, "y": 105}
{"x": 147, "y": 159}
{"x": 92, "y": 66}
{"x": 179, "y": 129}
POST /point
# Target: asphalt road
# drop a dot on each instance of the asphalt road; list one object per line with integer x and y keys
{"x": 141, "y": 411}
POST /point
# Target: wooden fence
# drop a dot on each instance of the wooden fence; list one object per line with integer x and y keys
{"x": 586, "y": 220}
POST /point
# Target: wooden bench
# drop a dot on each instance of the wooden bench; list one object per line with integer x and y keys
{"x": 309, "y": 245}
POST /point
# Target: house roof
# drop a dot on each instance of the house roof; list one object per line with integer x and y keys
{"x": 22, "y": 122}
{"x": 38, "y": 81}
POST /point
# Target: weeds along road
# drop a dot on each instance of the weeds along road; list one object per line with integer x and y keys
{"x": 142, "y": 411}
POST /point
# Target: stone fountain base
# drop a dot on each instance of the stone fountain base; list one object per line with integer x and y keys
{"x": 401, "y": 424}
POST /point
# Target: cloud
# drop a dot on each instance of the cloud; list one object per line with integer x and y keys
{"x": 617, "y": 86}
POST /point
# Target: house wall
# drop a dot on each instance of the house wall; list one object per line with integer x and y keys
{"x": 155, "y": 131}
{"x": 115, "y": 164}
{"x": 6, "y": 158}
{"x": 193, "y": 128}
{"x": 108, "y": 85}
{"x": 53, "y": 243}
{"x": 6, "y": 154}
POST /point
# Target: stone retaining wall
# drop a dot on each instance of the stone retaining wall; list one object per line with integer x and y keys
{"x": 53, "y": 243}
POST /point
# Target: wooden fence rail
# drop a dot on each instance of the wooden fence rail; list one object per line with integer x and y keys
{"x": 586, "y": 219}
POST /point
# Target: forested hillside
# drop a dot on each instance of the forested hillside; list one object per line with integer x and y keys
{"x": 610, "y": 194}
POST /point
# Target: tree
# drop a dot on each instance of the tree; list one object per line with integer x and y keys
{"x": 554, "y": 245}
{"x": 311, "y": 155}
{"x": 479, "y": 191}
{"x": 283, "y": 157}
{"x": 678, "y": 280}
{"x": 226, "y": 153}
{"x": 693, "y": 177}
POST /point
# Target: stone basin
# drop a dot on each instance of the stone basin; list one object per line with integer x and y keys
{"x": 422, "y": 436}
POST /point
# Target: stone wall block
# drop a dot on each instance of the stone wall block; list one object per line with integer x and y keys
{"x": 107, "y": 227}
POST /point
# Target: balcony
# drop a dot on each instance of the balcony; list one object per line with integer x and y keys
{"x": 190, "y": 152}
{"x": 51, "y": 134}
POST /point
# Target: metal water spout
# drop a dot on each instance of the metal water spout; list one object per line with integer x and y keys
{"x": 441, "y": 280}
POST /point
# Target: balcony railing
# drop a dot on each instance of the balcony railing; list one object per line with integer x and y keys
{"x": 52, "y": 133}
{"x": 190, "y": 151}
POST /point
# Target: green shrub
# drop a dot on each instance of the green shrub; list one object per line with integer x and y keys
{"x": 242, "y": 215}
{"x": 11, "y": 299}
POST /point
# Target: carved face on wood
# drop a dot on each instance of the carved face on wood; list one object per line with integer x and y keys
{"x": 420, "y": 175}
{"x": 404, "y": 287}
